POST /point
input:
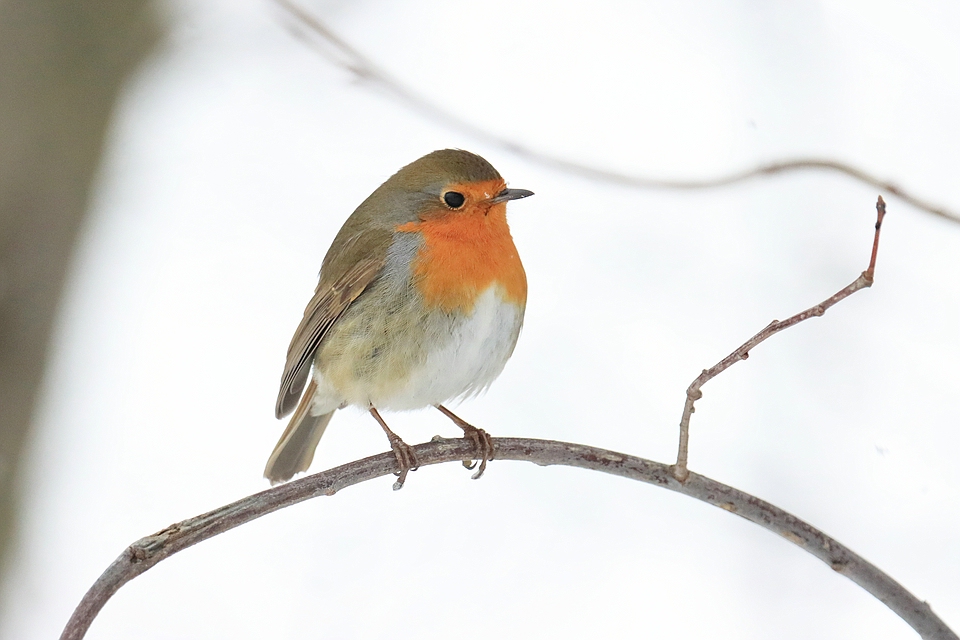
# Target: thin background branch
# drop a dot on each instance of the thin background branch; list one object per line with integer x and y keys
{"x": 344, "y": 55}
{"x": 147, "y": 552}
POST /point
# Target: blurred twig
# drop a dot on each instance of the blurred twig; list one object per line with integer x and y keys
{"x": 146, "y": 552}
{"x": 742, "y": 352}
{"x": 344, "y": 55}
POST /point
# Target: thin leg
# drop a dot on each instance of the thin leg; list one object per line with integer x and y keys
{"x": 481, "y": 440}
{"x": 406, "y": 456}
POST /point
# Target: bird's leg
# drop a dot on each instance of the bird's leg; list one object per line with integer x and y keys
{"x": 481, "y": 440}
{"x": 406, "y": 456}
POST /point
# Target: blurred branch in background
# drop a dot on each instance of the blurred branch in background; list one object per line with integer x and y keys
{"x": 147, "y": 552}
{"x": 344, "y": 55}
{"x": 62, "y": 65}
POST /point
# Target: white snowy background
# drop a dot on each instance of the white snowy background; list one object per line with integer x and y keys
{"x": 237, "y": 152}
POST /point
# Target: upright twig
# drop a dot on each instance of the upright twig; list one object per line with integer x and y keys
{"x": 742, "y": 352}
{"x": 147, "y": 552}
{"x": 346, "y": 56}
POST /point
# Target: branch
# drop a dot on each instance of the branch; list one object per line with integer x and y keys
{"x": 742, "y": 352}
{"x": 341, "y": 53}
{"x": 146, "y": 552}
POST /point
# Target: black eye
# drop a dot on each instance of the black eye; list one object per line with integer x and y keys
{"x": 454, "y": 199}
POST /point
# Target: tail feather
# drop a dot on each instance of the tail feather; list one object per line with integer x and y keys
{"x": 294, "y": 452}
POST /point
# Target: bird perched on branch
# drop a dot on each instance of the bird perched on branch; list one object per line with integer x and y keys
{"x": 420, "y": 301}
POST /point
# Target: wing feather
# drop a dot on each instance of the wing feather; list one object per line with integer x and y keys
{"x": 322, "y": 312}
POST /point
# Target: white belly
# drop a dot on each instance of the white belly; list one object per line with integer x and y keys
{"x": 468, "y": 362}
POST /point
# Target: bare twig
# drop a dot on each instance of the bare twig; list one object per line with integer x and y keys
{"x": 341, "y": 53}
{"x": 742, "y": 352}
{"x": 146, "y": 552}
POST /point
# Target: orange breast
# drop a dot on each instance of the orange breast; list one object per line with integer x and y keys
{"x": 464, "y": 252}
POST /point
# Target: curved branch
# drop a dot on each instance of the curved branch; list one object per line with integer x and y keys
{"x": 146, "y": 552}
{"x": 345, "y": 56}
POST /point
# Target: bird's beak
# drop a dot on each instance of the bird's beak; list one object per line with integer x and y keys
{"x": 510, "y": 194}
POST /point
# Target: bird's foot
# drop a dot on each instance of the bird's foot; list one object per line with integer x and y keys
{"x": 482, "y": 442}
{"x": 406, "y": 457}
{"x": 406, "y": 460}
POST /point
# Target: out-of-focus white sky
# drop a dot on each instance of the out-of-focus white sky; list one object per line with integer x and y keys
{"x": 237, "y": 152}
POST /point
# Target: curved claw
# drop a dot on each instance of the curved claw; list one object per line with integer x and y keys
{"x": 406, "y": 461}
{"x": 484, "y": 445}
{"x": 406, "y": 457}
{"x": 482, "y": 441}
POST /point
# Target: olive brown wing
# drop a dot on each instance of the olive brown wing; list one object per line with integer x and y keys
{"x": 327, "y": 305}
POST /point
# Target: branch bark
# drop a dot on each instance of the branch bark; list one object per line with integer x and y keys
{"x": 341, "y": 53}
{"x": 863, "y": 281}
{"x": 147, "y": 552}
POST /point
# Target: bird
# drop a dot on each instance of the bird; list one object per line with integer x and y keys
{"x": 420, "y": 301}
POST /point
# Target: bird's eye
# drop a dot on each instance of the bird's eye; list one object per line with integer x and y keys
{"x": 454, "y": 199}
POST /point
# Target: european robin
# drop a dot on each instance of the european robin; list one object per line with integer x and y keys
{"x": 420, "y": 301}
